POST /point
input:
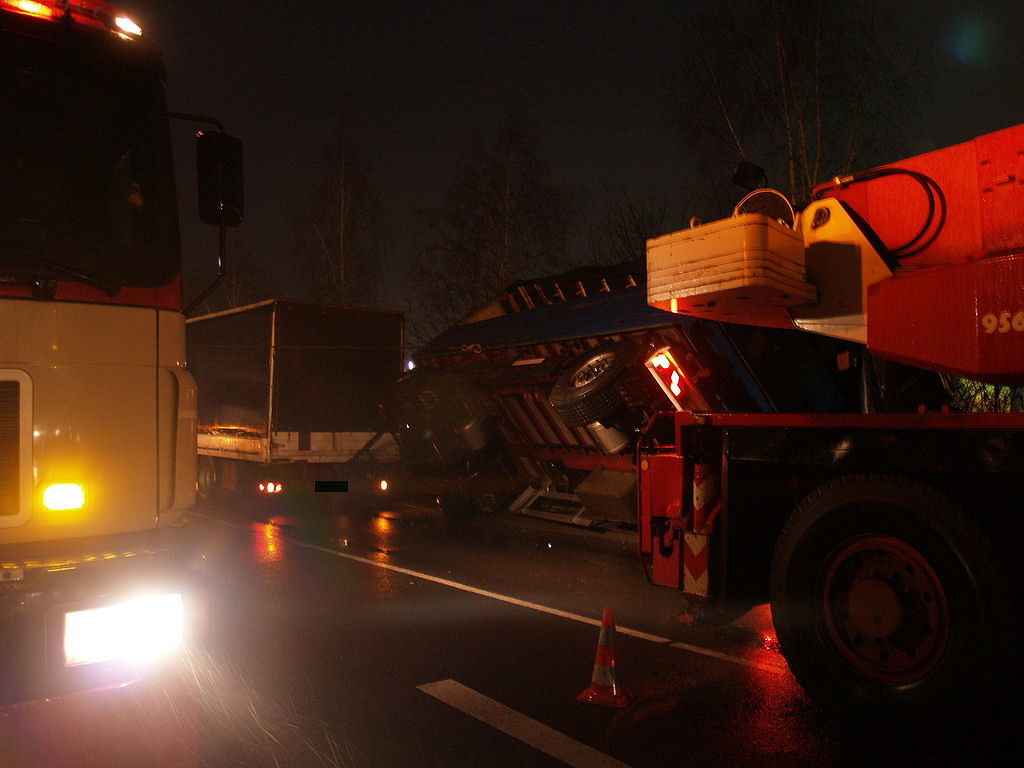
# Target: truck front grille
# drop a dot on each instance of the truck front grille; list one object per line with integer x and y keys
{"x": 10, "y": 448}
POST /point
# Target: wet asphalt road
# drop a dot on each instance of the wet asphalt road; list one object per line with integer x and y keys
{"x": 357, "y": 640}
{"x": 352, "y": 637}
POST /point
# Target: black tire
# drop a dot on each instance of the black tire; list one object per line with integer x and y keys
{"x": 587, "y": 391}
{"x": 888, "y": 602}
{"x": 207, "y": 478}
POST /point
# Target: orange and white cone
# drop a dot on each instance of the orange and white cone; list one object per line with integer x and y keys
{"x": 603, "y": 689}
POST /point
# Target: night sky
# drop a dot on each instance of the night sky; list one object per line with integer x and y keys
{"x": 413, "y": 82}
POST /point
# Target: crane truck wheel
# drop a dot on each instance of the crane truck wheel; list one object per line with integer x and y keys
{"x": 889, "y": 602}
{"x": 586, "y": 392}
{"x": 207, "y": 478}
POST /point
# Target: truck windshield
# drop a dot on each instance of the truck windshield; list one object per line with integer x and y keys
{"x": 86, "y": 191}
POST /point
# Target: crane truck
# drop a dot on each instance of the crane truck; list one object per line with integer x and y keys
{"x": 97, "y": 411}
{"x": 819, "y": 409}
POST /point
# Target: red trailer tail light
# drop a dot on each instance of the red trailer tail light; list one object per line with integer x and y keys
{"x": 669, "y": 375}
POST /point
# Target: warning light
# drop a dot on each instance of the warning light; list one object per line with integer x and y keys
{"x": 30, "y": 8}
{"x": 127, "y": 25}
{"x": 91, "y": 13}
{"x": 668, "y": 374}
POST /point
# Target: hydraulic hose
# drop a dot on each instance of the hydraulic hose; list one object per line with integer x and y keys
{"x": 935, "y": 219}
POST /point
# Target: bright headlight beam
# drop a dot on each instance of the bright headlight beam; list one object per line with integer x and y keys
{"x": 140, "y": 630}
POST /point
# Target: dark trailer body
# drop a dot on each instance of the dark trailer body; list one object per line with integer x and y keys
{"x": 291, "y": 385}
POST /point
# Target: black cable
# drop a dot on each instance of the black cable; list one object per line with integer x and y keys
{"x": 936, "y": 202}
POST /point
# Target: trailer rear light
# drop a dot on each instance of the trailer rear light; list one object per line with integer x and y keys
{"x": 140, "y": 630}
{"x": 271, "y": 487}
{"x": 668, "y": 374}
{"x": 383, "y": 486}
{"x": 63, "y": 496}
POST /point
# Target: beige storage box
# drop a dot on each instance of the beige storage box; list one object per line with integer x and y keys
{"x": 745, "y": 269}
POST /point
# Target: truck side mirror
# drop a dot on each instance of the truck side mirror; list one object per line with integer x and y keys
{"x": 220, "y": 173}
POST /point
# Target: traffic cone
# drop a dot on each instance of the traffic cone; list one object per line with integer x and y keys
{"x": 603, "y": 689}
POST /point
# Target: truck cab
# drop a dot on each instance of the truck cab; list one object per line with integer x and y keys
{"x": 97, "y": 410}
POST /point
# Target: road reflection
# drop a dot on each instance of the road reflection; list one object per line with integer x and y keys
{"x": 268, "y": 539}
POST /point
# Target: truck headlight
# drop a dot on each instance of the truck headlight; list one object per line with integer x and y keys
{"x": 139, "y": 630}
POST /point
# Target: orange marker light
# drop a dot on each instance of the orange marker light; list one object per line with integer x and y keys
{"x": 64, "y": 497}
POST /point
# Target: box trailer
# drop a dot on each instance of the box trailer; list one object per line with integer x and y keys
{"x": 289, "y": 392}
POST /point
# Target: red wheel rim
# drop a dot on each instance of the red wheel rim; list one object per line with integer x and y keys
{"x": 885, "y": 609}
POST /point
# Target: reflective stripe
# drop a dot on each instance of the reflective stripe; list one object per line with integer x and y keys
{"x": 603, "y": 675}
{"x": 605, "y": 656}
{"x": 695, "y": 562}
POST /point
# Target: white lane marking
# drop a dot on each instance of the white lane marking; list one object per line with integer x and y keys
{"x": 487, "y": 593}
{"x": 781, "y": 669}
{"x": 519, "y": 726}
{"x": 516, "y": 601}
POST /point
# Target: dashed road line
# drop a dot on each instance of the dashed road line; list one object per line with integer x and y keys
{"x": 519, "y": 726}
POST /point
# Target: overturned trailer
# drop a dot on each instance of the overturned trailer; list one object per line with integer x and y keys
{"x": 540, "y": 404}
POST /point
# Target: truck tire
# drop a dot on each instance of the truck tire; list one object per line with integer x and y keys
{"x": 207, "y": 478}
{"x": 889, "y": 602}
{"x": 587, "y": 391}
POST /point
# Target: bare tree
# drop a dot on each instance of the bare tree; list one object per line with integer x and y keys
{"x": 805, "y": 88}
{"x": 502, "y": 220}
{"x": 622, "y": 225}
{"x": 239, "y": 286}
{"x": 339, "y": 232}
{"x": 244, "y": 281}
